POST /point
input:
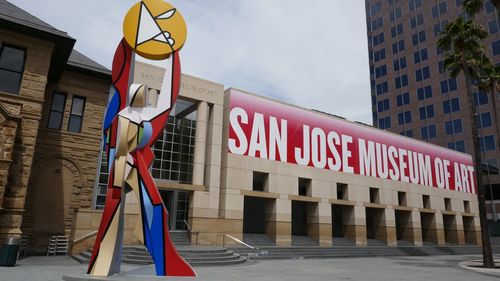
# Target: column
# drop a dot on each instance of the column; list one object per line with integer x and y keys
{"x": 388, "y": 227}
{"x": 459, "y": 221}
{"x": 200, "y": 144}
{"x": 320, "y": 218}
{"x": 355, "y": 224}
{"x": 440, "y": 236}
{"x": 416, "y": 228}
{"x": 279, "y": 225}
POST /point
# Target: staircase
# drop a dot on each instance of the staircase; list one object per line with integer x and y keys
{"x": 180, "y": 238}
{"x": 345, "y": 248}
{"x": 196, "y": 256}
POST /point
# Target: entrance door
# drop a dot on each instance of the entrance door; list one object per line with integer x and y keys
{"x": 177, "y": 204}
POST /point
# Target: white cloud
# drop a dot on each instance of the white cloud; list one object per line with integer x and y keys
{"x": 310, "y": 53}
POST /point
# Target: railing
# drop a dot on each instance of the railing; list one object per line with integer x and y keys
{"x": 190, "y": 232}
{"x": 237, "y": 240}
{"x": 85, "y": 237}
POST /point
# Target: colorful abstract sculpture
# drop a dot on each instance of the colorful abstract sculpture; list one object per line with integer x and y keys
{"x": 134, "y": 119}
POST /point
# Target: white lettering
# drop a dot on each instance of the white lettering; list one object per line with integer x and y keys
{"x": 236, "y": 113}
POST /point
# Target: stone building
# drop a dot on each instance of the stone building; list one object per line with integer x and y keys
{"x": 49, "y": 136}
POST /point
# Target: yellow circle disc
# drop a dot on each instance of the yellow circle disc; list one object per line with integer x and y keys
{"x": 154, "y": 29}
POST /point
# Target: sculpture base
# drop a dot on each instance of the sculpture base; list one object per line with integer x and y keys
{"x": 137, "y": 274}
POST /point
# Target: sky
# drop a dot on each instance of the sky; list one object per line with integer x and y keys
{"x": 312, "y": 53}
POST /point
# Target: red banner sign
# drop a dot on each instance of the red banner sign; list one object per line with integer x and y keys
{"x": 271, "y": 130}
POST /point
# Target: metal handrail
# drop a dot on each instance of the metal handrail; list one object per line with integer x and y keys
{"x": 187, "y": 225}
{"x": 237, "y": 240}
{"x": 86, "y": 236}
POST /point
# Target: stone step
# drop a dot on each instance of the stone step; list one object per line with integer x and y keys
{"x": 195, "y": 256}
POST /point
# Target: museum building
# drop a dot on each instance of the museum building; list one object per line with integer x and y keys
{"x": 228, "y": 163}
{"x": 260, "y": 170}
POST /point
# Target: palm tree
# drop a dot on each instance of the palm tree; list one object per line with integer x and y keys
{"x": 472, "y": 7}
{"x": 489, "y": 81}
{"x": 467, "y": 55}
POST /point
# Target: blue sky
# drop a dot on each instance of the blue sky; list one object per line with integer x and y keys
{"x": 312, "y": 53}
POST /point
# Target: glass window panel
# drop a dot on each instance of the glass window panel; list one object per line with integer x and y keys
{"x": 10, "y": 82}
{"x": 12, "y": 59}
{"x": 58, "y": 102}
{"x": 78, "y": 104}
{"x": 75, "y": 124}
{"x": 55, "y": 120}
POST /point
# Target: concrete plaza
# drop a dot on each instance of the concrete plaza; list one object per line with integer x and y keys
{"x": 427, "y": 268}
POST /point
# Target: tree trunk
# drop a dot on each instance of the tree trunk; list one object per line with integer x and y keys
{"x": 488, "y": 261}
{"x": 496, "y": 3}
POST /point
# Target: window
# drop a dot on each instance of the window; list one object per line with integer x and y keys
{"x": 260, "y": 181}
{"x": 451, "y": 105}
{"x": 396, "y": 30}
{"x": 401, "y": 81}
{"x": 76, "y": 115}
{"x": 378, "y": 39}
{"x": 380, "y": 71}
{"x": 453, "y": 127}
{"x": 414, "y": 4}
{"x": 417, "y": 20}
{"x": 447, "y": 204}
{"x": 466, "y": 206}
{"x": 384, "y": 123}
{"x": 375, "y": 8}
{"x": 421, "y": 55}
{"x": 383, "y": 105}
{"x": 426, "y": 111}
{"x": 422, "y": 74}
{"x": 480, "y": 98}
{"x": 489, "y": 7}
{"x": 495, "y": 47}
{"x": 11, "y": 69}
{"x": 457, "y": 145}
{"x": 459, "y": 2}
{"x": 398, "y": 46}
{"x": 403, "y": 99}
{"x": 493, "y": 26}
{"x": 396, "y": 14}
{"x": 487, "y": 143}
{"x": 428, "y": 132}
{"x": 442, "y": 8}
{"x": 484, "y": 120}
{"x": 174, "y": 148}
{"x": 438, "y": 28}
{"x": 408, "y": 133}
{"x": 491, "y": 166}
{"x": 400, "y": 64}
{"x": 374, "y": 195}
{"x": 448, "y": 85}
{"x": 404, "y": 117}
{"x": 342, "y": 193}
{"x": 441, "y": 67}
{"x": 377, "y": 23}
{"x": 402, "y": 198}
{"x": 418, "y": 38}
{"x": 424, "y": 92}
{"x": 379, "y": 55}
{"x": 56, "y": 112}
{"x": 304, "y": 187}
{"x": 426, "y": 201}
{"x": 382, "y": 88}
